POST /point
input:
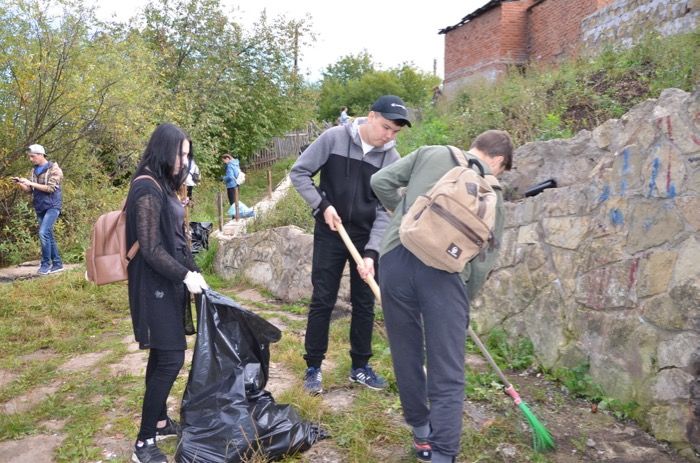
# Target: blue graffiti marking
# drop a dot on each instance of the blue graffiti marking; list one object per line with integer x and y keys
{"x": 654, "y": 173}
{"x": 647, "y": 224}
{"x": 672, "y": 191}
{"x": 623, "y": 187}
{"x": 626, "y": 161}
{"x": 605, "y": 195}
{"x": 616, "y": 217}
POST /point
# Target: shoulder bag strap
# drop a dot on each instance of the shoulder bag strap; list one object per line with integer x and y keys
{"x": 134, "y": 249}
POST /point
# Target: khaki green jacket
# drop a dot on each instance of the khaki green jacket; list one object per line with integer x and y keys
{"x": 398, "y": 185}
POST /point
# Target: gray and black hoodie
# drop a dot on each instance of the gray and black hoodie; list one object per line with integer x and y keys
{"x": 344, "y": 181}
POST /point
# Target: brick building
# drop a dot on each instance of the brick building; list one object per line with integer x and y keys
{"x": 505, "y": 33}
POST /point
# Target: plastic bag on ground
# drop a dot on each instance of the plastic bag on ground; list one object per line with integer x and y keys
{"x": 243, "y": 210}
{"x": 227, "y": 416}
{"x": 200, "y": 235}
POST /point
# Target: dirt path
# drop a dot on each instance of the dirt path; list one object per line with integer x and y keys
{"x": 581, "y": 435}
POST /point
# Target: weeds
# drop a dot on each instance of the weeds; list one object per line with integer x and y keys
{"x": 551, "y": 102}
{"x": 579, "y": 383}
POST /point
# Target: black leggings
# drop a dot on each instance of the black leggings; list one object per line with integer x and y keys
{"x": 231, "y": 192}
{"x": 161, "y": 372}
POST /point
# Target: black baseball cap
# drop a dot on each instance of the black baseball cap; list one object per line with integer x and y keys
{"x": 392, "y": 107}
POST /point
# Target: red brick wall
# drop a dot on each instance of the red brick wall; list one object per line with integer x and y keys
{"x": 510, "y": 33}
{"x": 554, "y": 28}
{"x": 485, "y": 46}
{"x": 513, "y": 31}
{"x": 473, "y": 44}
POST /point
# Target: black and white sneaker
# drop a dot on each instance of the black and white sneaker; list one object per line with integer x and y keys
{"x": 171, "y": 429}
{"x": 367, "y": 377}
{"x": 313, "y": 381}
{"x": 148, "y": 453}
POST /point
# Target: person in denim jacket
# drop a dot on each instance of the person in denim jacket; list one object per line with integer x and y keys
{"x": 44, "y": 183}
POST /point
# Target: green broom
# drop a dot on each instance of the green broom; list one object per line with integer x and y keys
{"x": 541, "y": 438}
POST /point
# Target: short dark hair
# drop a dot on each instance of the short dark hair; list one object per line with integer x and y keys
{"x": 226, "y": 155}
{"x": 496, "y": 143}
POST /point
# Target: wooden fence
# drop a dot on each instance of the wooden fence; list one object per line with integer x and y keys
{"x": 282, "y": 147}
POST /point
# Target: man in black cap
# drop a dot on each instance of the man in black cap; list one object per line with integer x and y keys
{"x": 346, "y": 157}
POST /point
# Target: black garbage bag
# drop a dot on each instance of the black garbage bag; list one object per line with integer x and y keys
{"x": 200, "y": 235}
{"x": 227, "y": 415}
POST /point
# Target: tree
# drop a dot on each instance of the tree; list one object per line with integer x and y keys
{"x": 60, "y": 84}
{"x": 354, "y": 82}
{"x": 232, "y": 91}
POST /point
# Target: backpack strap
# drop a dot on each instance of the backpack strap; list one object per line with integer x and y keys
{"x": 134, "y": 249}
{"x": 150, "y": 178}
{"x": 462, "y": 160}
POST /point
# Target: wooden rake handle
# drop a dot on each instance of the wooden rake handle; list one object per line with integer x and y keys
{"x": 358, "y": 260}
{"x": 488, "y": 357}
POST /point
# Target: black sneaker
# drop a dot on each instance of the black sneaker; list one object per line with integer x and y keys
{"x": 148, "y": 453}
{"x": 367, "y": 377}
{"x": 312, "y": 381}
{"x": 171, "y": 429}
{"x": 422, "y": 449}
{"x": 56, "y": 268}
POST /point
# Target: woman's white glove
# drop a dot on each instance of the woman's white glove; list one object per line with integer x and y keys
{"x": 195, "y": 282}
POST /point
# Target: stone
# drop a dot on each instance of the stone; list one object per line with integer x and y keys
{"x": 653, "y": 223}
{"x": 687, "y": 268}
{"x": 677, "y": 352}
{"x": 528, "y": 234}
{"x": 672, "y": 385}
{"x": 689, "y": 206}
{"x": 638, "y": 127}
{"x": 565, "y": 232}
{"x": 508, "y": 248}
{"x": 609, "y": 287}
{"x": 667, "y": 422}
{"x": 551, "y": 312}
{"x": 627, "y": 346}
{"x": 625, "y": 177}
{"x": 664, "y": 171}
{"x": 600, "y": 252}
{"x": 520, "y": 212}
{"x": 654, "y": 272}
{"x": 604, "y": 134}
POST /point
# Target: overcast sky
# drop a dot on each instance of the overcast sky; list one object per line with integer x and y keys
{"x": 392, "y": 32}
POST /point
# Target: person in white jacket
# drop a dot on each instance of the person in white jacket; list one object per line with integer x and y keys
{"x": 193, "y": 178}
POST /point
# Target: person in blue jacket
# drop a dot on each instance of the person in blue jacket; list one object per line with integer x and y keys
{"x": 233, "y": 167}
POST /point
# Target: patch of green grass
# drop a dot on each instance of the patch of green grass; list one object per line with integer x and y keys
{"x": 290, "y": 210}
{"x": 482, "y": 386}
{"x": 579, "y": 383}
{"x": 63, "y": 312}
{"x": 298, "y": 308}
{"x": 509, "y": 353}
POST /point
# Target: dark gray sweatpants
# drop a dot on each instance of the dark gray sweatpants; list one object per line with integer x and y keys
{"x": 426, "y": 312}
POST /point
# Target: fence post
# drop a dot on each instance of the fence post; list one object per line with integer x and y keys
{"x": 269, "y": 182}
{"x": 235, "y": 201}
{"x": 220, "y": 210}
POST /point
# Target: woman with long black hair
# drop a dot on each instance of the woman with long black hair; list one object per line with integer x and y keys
{"x": 160, "y": 277}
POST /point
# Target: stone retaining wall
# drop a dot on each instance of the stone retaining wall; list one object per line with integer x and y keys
{"x": 624, "y": 22}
